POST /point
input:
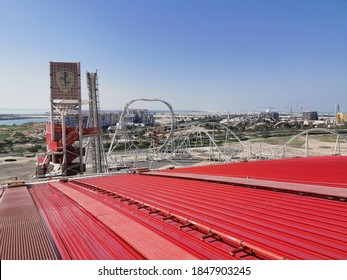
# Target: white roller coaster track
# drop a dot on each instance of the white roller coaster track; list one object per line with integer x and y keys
{"x": 178, "y": 143}
{"x": 122, "y": 128}
{"x": 224, "y": 152}
{"x": 281, "y": 152}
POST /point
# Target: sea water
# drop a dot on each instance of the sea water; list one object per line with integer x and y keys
{"x": 16, "y": 115}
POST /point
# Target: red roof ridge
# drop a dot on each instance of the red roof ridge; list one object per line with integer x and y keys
{"x": 328, "y": 191}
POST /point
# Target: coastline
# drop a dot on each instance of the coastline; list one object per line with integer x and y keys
{"x": 7, "y": 117}
{"x": 18, "y": 119}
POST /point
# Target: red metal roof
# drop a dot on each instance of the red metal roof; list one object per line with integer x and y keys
{"x": 77, "y": 233}
{"x": 288, "y": 225}
{"x": 307, "y": 189}
{"x": 197, "y": 215}
{"x": 23, "y": 235}
{"x": 327, "y": 171}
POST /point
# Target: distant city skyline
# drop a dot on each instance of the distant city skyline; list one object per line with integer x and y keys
{"x": 196, "y": 54}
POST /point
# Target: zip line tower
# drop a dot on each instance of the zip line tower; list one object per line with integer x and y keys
{"x": 96, "y": 146}
{"x": 65, "y": 146}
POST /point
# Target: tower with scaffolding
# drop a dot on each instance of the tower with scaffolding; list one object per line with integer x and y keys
{"x": 96, "y": 146}
{"x": 66, "y": 145}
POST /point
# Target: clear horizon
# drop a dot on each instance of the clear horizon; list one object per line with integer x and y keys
{"x": 14, "y": 111}
{"x": 198, "y": 55}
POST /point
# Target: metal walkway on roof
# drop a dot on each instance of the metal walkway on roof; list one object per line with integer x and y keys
{"x": 23, "y": 235}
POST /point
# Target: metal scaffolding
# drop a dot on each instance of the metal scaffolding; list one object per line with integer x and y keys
{"x": 96, "y": 147}
{"x": 66, "y": 149}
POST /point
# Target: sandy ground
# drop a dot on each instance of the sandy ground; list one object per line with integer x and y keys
{"x": 23, "y": 168}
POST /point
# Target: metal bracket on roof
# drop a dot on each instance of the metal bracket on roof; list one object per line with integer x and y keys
{"x": 211, "y": 235}
{"x": 132, "y": 202}
{"x": 169, "y": 217}
{"x": 187, "y": 225}
{"x": 154, "y": 211}
{"x": 242, "y": 249}
{"x": 142, "y": 205}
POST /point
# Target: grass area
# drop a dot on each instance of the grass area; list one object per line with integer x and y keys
{"x": 23, "y": 127}
{"x": 14, "y": 128}
{"x": 277, "y": 140}
{"x": 327, "y": 138}
{"x": 295, "y": 143}
{"x": 21, "y": 138}
{"x": 4, "y": 136}
{"x": 273, "y": 140}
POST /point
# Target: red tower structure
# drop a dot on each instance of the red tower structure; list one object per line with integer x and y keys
{"x": 65, "y": 149}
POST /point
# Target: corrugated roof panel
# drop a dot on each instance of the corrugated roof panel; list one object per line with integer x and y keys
{"x": 303, "y": 189}
{"x": 143, "y": 240}
{"x": 82, "y": 236}
{"x": 157, "y": 217}
{"x": 328, "y": 170}
{"x": 23, "y": 235}
{"x": 170, "y": 230}
{"x": 271, "y": 225}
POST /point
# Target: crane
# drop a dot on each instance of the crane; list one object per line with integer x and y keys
{"x": 269, "y": 108}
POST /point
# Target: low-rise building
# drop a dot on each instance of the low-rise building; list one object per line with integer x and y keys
{"x": 106, "y": 119}
{"x": 310, "y": 116}
{"x": 136, "y": 116}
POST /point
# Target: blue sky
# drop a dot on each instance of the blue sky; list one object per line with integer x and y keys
{"x": 233, "y": 55}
